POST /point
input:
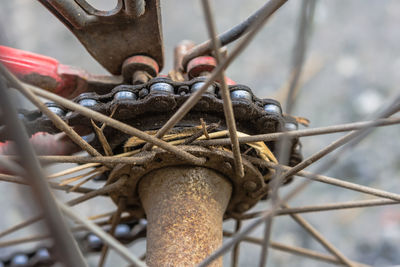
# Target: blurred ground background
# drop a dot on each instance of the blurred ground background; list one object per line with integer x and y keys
{"x": 354, "y": 61}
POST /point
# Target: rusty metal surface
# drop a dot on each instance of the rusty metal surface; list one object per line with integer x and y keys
{"x": 184, "y": 208}
{"x": 112, "y": 36}
{"x": 218, "y": 160}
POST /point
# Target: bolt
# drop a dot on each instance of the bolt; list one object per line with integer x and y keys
{"x": 88, "y": 102}
{"x": 242, "y": 207}
{"x": 290, "y": 126}
{"x": 56, "y": 109}
{"x": 162, "y": 87}
{"x": 19, "y": 260}
{"x": 198, "y": 85}
{"x": 241, "y": 94}
{"x": 250, "y": 186}
{"x": 272, "y": 108}
{"x": 125, "y": 95}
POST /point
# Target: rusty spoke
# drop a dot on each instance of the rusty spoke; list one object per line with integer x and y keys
{"x": 93, "y": 193}
{"x": 228, "y": 109}
{"x": 332, "y": 181}
{"x": 104, "y": 190}
{"x": 66, "y": 247}
{"x": 295, "y": 250}
{"x": 19, "y": 180}
{"x": 116, "y": 218}
{"x": 113, "y": 160}
{"x": 236, "y": 248}
{"x": 324, "y": 207}
{"x": 302, "y": 133}
{"x": 303, "y": 35}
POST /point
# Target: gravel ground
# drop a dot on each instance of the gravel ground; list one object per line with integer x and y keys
{"x": 353, "y": 66}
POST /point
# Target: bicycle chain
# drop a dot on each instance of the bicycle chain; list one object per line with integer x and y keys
{"x": 148, "y": 106}
{"x": 89, "y": 243}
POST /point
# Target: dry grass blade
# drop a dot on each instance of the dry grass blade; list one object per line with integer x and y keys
{"x": 72, "y": 170}
{"x": 75, "y": 187}
{"x": 76, "y": 178}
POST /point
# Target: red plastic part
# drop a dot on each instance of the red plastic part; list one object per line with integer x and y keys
{"x": 199, "y": 65}
{"x": 42, "y": 71}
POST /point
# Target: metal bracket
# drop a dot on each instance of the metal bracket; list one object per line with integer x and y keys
{"x": 113, "y": 36}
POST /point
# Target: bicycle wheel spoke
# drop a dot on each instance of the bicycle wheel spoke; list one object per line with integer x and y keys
{"x": 302, "y": 133}
{"x": 295, "y": 250}
{"x": 319, "y": 208}
{"x": 67, "y": 249}
{"x": 320, "y": 238}
{"x": 20, "y": 226}
{"x": 331, "y": 180}
{"x": 23, "y": 240}
{"x": 104, "y": 160}
{"x": 104, "y": 190}
{"x": 116, "y": 218}
{"x": 350, "y": 137}
{"x": 311, "y": 254}
{"x": 306, "y": 18}
{"x": 194, "y": 98}
{"x": 18, "y": 180}
{"x": 338, "y": 206}
{"x": 228, "y": 109}
{"x": 112, "y": 242}
{"x": 10, "y": 166}
{"x": 94, "y": 193}
{"x": 236, "y": 248}
{"x": 232, "y": 34}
